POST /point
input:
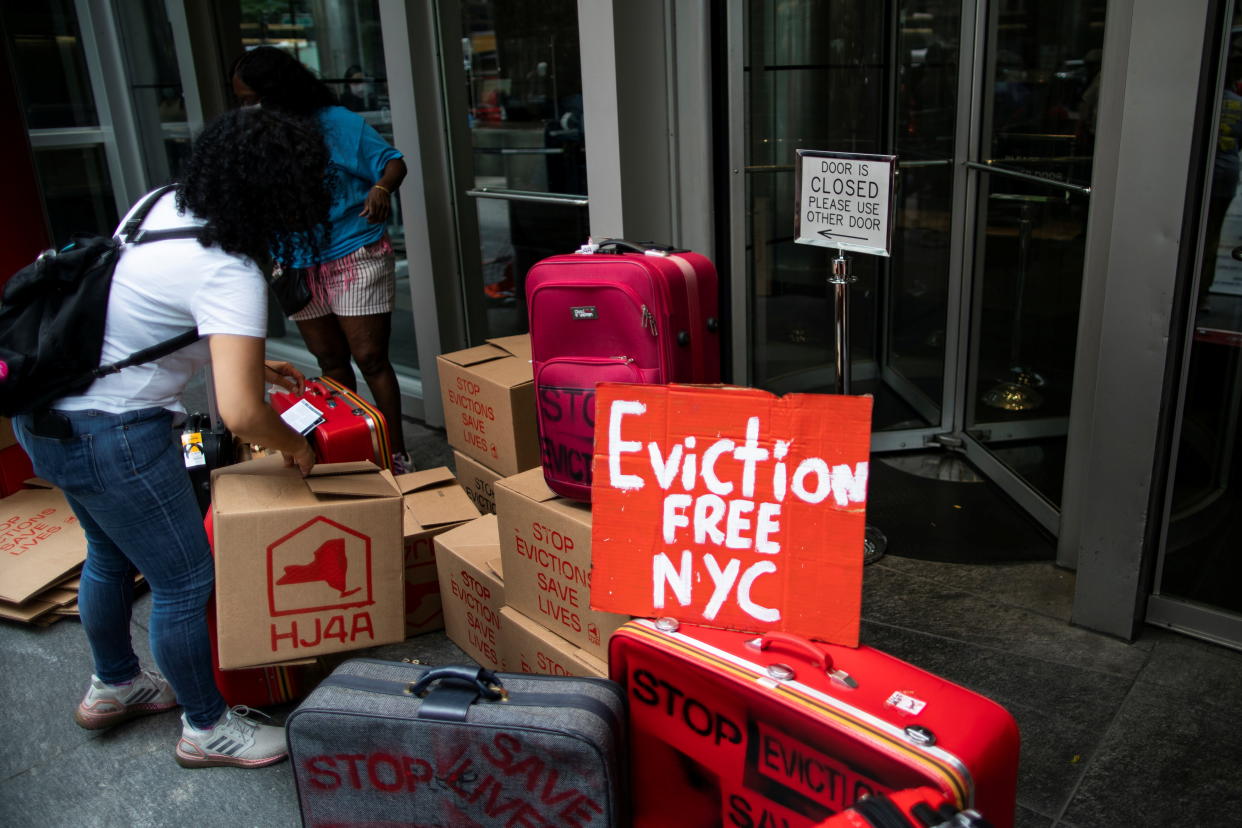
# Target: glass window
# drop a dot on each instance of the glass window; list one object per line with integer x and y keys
{"x": 523, "y": 82}
{"x": 154, "y": 88}
{"x": 77, "y": 191}
{"x": 1200, "y": 561}
{"x": 50, "y": 65}
{"x": 341, "y": 41}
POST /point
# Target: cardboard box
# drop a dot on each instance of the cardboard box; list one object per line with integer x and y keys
{"x": 545, "y": 544}
{"x": 306, "y": 566}
{"x": 489, "y": 403}
{"x": 529, "y": 648}
{"x": 433, "y": 503}
{"x": 473, "y": 588}
{"x": 478, "y": 480}
{"x": 41, "y": 543}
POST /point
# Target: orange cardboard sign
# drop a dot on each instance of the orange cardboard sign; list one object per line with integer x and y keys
{"x": 731, "y": 507}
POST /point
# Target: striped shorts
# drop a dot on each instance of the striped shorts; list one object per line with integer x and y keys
{"x": 360, "y": 284}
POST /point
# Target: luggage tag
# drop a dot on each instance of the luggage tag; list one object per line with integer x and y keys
{"x": 302, "y": 417}
{"x": 192, "y": 449}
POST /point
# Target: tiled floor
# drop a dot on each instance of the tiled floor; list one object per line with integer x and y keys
{"x": 1113, "y": 734}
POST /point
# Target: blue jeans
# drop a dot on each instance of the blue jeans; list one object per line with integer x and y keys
{"x": 125, "y": 479}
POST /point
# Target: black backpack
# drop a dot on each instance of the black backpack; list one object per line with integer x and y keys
{"x": 52, "y": 317}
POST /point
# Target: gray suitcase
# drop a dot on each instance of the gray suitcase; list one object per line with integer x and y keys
{"x": 382, "y": 743}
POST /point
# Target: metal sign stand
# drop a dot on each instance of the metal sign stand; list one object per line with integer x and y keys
{"x": 875, "y": 542}
{"x": 845, "y": 201}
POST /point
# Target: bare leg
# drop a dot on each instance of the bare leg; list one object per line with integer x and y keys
{"x": 368, "y": 338}
{"x": 326, "y": 340}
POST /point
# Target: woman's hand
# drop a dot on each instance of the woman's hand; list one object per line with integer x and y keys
{"x": 377, "y": 206}
{"x": 303, "y": 458}
{"x": 278, "y": 372}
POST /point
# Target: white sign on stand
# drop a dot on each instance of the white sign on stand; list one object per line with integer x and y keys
{"x": 845, "y": 200}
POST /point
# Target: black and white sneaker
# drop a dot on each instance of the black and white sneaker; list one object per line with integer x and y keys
{"x": 234, "y": 741}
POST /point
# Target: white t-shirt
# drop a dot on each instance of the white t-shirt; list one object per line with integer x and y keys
{"x": 162, "y": 289}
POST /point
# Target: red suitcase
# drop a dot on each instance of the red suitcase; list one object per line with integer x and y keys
{"x": 914, "y": 808}
{"x": 257, "y": 686}
{"x": 613, "y": 312}
{"x": 352, "y": 429}
{"x": 778, "y": 730}
{"x": 15, "y": 469}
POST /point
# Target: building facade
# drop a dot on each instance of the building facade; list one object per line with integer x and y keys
{"x": 1060, "y": 305}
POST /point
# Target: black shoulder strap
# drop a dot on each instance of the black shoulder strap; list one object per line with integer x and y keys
{"x": 131, "y": 232}
{"x": 160, "y": 349}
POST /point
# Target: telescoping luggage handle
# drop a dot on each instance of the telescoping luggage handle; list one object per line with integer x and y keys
{"x": 456, "y": 689}
{"x": 623, "y": 246}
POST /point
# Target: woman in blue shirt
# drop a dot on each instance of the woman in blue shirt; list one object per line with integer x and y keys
{"x": 353, "y": 279}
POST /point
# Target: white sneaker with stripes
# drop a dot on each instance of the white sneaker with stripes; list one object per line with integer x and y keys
{"x": 234, "y": 741}
{"x": 109, "y": 704}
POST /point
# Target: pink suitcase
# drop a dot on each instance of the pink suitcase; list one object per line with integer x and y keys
{"x": 613, "y": 312}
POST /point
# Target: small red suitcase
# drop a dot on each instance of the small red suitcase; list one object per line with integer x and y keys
{"x": 777, "y": 730}
{"x": 613, "y": 312}
{"x": 257, "y": 686}
{"x": 353, "y": 429}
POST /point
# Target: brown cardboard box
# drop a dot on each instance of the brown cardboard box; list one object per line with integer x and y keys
{"x": 478, "y": 480}
{"x": 529, "y": 648}
{"x": 433, "y": 504}
{"x": 489, "y": 403}
{"x": 545, "y": 544}
{"x": 472, "y": 583}
{"x": 306, "y": 566}
{"x": 41, "y": 543}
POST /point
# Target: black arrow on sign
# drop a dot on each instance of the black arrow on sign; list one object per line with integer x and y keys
{"x": 830, "y": 235}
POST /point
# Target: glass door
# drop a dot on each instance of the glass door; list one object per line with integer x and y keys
{"x": 1199, "y": 567}
{"x": 1031, "y": 189}
{"x": 965, "y": 337}
{"x": 521, "y": 170}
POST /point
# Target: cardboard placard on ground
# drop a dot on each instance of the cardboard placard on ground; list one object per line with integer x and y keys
{"x": 300, "y": 574}
{"x": 527, "y": 647}
{"x": 41, "y": 542}
{"x": 433, "y": 503}
{"x": 472, "y": 587}
{"x": 478, "y": 480}
{"x": 489, "y": 403}
{"x": 731, "y": 507}
{"x": 545, "y": 544}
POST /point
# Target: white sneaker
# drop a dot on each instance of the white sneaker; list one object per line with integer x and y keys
{"x": 109, "y": 704}
{"x": 234, "y": 741}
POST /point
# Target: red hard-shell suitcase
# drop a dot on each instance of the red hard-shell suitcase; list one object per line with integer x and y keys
{"x": 616, "y": 312}
{"x": 15, "y": 469}
{"x": 353, "y": 429}
{"x": 750, "y": 730}
{"x": 257, "y": 686}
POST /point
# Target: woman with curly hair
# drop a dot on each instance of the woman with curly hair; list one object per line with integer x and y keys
{"x": 112, "y": 448}
{"x": 353, "y": 278}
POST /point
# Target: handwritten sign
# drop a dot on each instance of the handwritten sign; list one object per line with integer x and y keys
{"x": 731, "y": 507}
{"x": 845, "y": 200}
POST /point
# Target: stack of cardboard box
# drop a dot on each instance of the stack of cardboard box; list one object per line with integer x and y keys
{"x": 489, "y": 411}
{"x": 341, "y": 560}
{"x": 516, "y": 587}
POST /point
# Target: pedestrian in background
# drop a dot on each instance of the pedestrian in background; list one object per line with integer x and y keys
{"x": 255, "y": 180}
{"x": 353, "y": 279}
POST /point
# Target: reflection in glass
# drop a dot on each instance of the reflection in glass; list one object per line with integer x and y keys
{"x": 77, "y": 190}
{"x": 805, "y": 89}
{"x": 341, "y": 41}
{"x": 154, "y": 88}
{"x": 49, "y": 64}
{"x": 1044, "y": 62}
{"x": 523, "y": 81}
